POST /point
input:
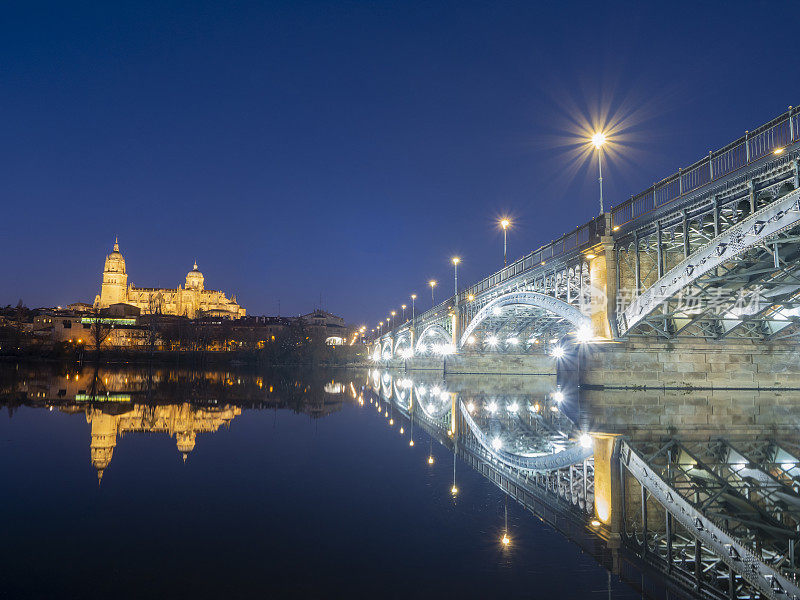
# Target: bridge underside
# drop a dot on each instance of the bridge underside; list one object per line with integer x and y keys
{"x": 518, "y": 328}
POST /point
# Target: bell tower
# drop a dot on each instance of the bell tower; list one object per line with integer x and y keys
{"x": 115, "y": 279}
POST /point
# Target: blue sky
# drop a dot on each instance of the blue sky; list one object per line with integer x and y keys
{"x": 349, "y": 149}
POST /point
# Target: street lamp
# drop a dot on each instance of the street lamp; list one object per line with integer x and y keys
{"x": 432, "y": 283}
{"x": 599, "y": 139}
{"x": 394, "y": 312}
{"x": 455, "y": 260}
{"x": 403, "y": 307}
{"x": 505, "y": 224}
{"x": 413, "y": 312}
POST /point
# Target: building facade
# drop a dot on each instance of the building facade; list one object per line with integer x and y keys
{"x": 191, "y": 301}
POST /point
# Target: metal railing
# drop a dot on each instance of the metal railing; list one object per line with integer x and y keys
{"x": 754, "y": 145}
{"x": 583, "y": 236}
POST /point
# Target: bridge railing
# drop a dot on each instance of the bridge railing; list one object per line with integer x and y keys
{"x": 775, "y": 135}
{"x": 584, "y": 236}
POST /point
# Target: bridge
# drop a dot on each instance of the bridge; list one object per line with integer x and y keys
{"x": 702, "y": 516}
{"x": 708, "y": 253}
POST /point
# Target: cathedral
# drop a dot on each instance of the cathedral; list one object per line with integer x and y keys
{"x": 192, "y": 301}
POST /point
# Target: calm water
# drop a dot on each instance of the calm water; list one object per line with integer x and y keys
{"x": 234, "y": 485}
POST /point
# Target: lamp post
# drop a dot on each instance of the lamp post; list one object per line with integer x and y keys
{"x": 505, "y": 224}
{"x": 413, "y": 312}
{"x": 455, "y": 261}
{"x": 403, "y": 307}
{"x": 394, "y": 312}
{"x": 599, "y": 139}
{"x": 432, "y": 283}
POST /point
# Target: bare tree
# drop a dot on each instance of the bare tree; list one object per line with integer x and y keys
{"x": 100, "y": 329}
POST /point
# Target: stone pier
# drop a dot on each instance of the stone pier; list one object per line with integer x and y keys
{"x": 688, "y": 364}
{"x": 480, "y": 364}
{"x": 642, "y": 364}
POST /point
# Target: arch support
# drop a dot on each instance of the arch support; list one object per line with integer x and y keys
{"x": 532, "y": 299}
{"x": 402, "y": 342}
{"x": 752, "y": 231}
{"x": 433, "y": 334}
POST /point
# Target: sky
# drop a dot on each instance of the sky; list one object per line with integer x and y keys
{"x": 342, "y": 152}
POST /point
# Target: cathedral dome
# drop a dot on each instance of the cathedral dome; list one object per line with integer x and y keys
{"x": 185, "y": 441}
{"x": 115, "y": 263}
{"x": 194, "y": 279}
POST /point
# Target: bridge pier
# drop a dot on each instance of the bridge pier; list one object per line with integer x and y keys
{"x": 690, "y": 364}
{"x": 603, "y": 280}
{"x": 490, "y": 363}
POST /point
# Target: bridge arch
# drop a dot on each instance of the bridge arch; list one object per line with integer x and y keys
{"x": 558, "y": 310}
{"x": 402, "y": 342}
{"x": 677, "y": 291}
{"x": 433, "y": 336}
{"x": 386, "y": 349}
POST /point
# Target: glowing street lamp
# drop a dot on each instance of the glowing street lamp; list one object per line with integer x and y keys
{"x": 599, "y": 139}
{"x": 403, "y": 308}
{"x": 432, "y": 283}
{"x": 394, "y": 312}
{"x": 413, "y": 312}
{"x": 505, "y": 224}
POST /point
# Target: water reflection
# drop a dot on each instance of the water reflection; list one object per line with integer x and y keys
{"x": 178, "y": 403}
{"x": 529, "y": 437}
{"x": 182, "y": 422}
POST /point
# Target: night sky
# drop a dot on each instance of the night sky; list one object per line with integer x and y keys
{"x": 348, "y": 150}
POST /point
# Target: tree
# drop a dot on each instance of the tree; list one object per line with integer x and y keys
{"x": 100, "y": 329}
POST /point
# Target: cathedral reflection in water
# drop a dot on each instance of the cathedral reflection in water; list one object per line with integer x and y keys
{"x": 183, "y": 422}
{"x": 178, "y": 403}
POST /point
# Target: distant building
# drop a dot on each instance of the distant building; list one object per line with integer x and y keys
{"x": 328, "y": 326}
{"x": 79, "y": 307}
{"x": 192, "y": 301}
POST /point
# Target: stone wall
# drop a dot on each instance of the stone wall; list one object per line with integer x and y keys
{"x": 480, "y": 364}
{"x": 655, "y": 364}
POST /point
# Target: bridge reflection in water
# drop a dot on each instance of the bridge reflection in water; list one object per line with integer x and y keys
{"x": 711, "y": 513}
{"x": 683, "y": 494}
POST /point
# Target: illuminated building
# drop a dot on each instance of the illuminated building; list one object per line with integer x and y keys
{"x": 191, "y": 301}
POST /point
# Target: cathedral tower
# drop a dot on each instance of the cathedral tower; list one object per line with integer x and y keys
{"x": 115, "y": 279}
{"x": 195, "y": 279}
